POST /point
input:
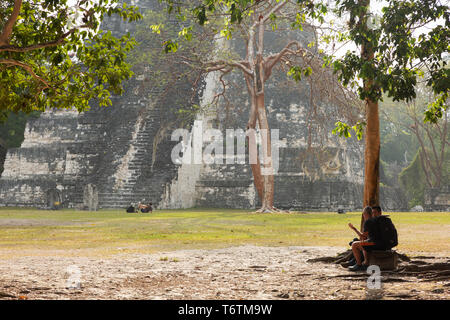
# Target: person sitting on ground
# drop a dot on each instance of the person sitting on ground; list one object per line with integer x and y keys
{"x": 131, "y": 209}
{"x": 362, "y": 235}
{"x": 372, "y": 243}
{"x": 148, "y": 208}
{"x": 145, "y": 208}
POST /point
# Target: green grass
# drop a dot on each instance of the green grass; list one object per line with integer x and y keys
{"x": 25, "y": 231}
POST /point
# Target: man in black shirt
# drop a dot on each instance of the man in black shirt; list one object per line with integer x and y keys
{"x": 371, "y": 243}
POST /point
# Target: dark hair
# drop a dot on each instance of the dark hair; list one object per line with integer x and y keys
{"x": 378, "y": 208}
{"x": 368, "y": 210}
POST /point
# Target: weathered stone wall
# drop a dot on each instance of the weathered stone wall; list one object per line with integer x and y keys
{"x": 107, "y": 148}
{"x": 108, "y": 155}
{"x": 437, "y": 199}
{"x": 393, "y": 199}
{"x": 2, "y": 158}
{"x": 57, "y": 153}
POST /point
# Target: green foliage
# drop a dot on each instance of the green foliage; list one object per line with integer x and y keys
{"x": 437, "y": 108}
{"x": 394, "y": 146}
{"x": 57, "y": 57}
{"x": 343, "y": 130}
{"x": 399, "y": 55}
{"x": 234, "y": 11}
{"x": 412, "y": 179}
{"x": 12, "y": 130}
{"x": 393, "y": 70}
{"x": 296, "y": 72}
{"x": 400, "y": 130}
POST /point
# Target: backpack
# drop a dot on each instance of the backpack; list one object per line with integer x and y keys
{"x": 130, "y": 209}
{"x": 386, "y": 232}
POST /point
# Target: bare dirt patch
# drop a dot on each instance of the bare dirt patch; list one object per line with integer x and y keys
{"x": 245, "y": 272}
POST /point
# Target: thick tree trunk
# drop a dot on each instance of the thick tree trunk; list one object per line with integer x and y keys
{"x": 372, "y": 156}
{"x": 258, "y": 179}
{"x": 252, "y": 145}
{"x": 372, "y": 139}
{"x": 264, "y": 183}
{"x": 255, "y": 164}
{"x": 268, "y": 177}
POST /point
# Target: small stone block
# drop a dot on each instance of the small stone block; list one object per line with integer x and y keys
{"x": 386, "y": 260}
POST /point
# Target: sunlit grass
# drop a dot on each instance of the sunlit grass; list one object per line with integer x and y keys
{"x": 25, "y": 231}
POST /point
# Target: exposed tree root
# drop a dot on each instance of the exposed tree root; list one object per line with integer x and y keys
{"x": 341, "y": 257}
{"x": 428, "y": 267}
{"x": 347, "y": 255}
{"x": 422, "y": 270}
{"x": 270, "y": 209}
{"x": 323, "y": 259}
{"x": 364, "y": 276}
{"x": 403, "y": 257}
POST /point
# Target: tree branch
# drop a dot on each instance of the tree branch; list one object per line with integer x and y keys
{"x": 280, "y": 5}
{"x": 26, "y": 67}
{"x": 272, "y": 60}
{"x": 7, "y": 29}
{"x": 238, "y": 64}
{"x": 53, "y": 43}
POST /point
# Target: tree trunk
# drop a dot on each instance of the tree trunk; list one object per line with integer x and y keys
{"x": 258, "y": 179}
{"x": 372, "y": 156}
{"x": 372, "y": 139}
{"x": 252, "y": 145}
{"x": 268, "y": 177}
{"x": 255, "y": 165}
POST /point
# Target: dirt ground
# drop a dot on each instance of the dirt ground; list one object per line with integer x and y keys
{"x": 245, "y": 272}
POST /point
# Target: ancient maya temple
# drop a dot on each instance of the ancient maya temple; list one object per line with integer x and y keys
{"x": 106, "y": 157}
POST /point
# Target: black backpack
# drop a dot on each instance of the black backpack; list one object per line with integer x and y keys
{"x": 386, "y": 232}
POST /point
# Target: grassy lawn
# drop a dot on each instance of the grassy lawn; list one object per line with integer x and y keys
{"x": 31, "y": 232}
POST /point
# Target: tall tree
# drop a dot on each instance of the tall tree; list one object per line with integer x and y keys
{"x": 53, "y": 54}
{"x": 256, "y": 65}
{"x": 432, "y": 138}
{"x": 427, "y": 144}
{"x": 393, "y": 53}
{"x": 433, "y": 155}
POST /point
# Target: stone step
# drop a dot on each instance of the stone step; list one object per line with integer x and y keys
{"x": 123, "y": 194}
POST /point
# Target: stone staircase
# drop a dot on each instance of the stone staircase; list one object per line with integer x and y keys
{"x": 139, "y": 181}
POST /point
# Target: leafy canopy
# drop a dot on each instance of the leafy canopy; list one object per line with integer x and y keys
{"x": 402, "y": 49}
{"x": 232, "y": 12}
{"x": 54, "y": 55}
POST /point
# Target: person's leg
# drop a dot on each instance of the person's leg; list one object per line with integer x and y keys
{"x": 366, "y": 259}
{"x": 356, "y": 248}
{"x": 366, "y": 248}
